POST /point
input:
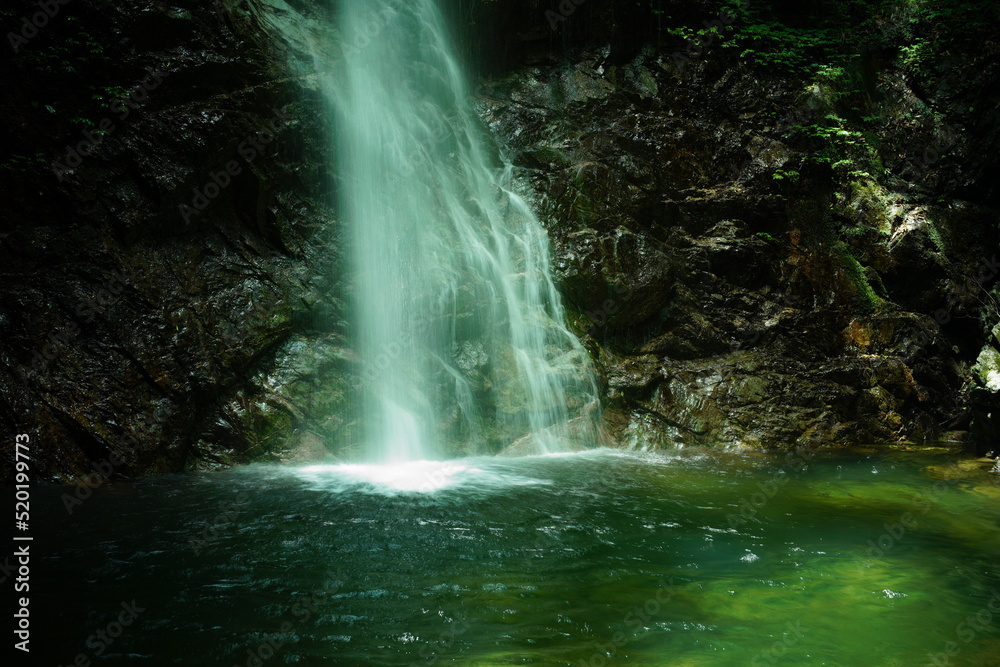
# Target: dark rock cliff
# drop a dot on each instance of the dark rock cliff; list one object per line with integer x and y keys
{"x": 166, "y": 240}
{"x": 754, "y": 254}
{"x": 769, "y": 254}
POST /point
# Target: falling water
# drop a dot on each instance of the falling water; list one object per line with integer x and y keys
{"x": 458, "y": 321}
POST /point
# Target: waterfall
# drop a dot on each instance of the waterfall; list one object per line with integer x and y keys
{"x": 458, "y": 322}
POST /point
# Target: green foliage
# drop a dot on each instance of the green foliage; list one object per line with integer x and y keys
{"x": 106, "y": 94}
{"x": 917, "y": 56}
{"x": 86, "y": 123}
{"x": 739, "y": 10}
{"x": 774, "y": 44}
{"x": 935, "y": 30}
{"x": 78, "y": 52}
{"x": 832, "y": 131}
{"x": 17, "y": 163}
{"x": 833, "y": 143}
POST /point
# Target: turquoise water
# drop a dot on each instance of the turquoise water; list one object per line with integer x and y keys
{"x": 596, "y": 558}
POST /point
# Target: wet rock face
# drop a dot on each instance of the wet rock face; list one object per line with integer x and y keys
{"x": 726, "y": 303}
{"x": 171, "y": 291}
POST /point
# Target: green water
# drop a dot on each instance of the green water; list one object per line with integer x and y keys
{"x": 587, "y": 559}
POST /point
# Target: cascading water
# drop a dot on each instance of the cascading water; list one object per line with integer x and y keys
{"x": 458, "y": 320}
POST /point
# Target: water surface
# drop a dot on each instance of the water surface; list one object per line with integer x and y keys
{"x": 605, "y": 557}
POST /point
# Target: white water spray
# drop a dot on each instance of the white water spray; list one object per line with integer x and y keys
{"x": 458, "y": 320}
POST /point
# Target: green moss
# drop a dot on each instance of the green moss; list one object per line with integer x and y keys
{"x": 935, "y": 236}
{"x": 867, "y": 204}
{"x": 867, "y": 299}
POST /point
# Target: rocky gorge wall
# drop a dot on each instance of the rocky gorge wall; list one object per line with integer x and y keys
{"x": 166, "y": 247}
{"x": 738, "y": 287}
{"x": 755, "y": 250}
